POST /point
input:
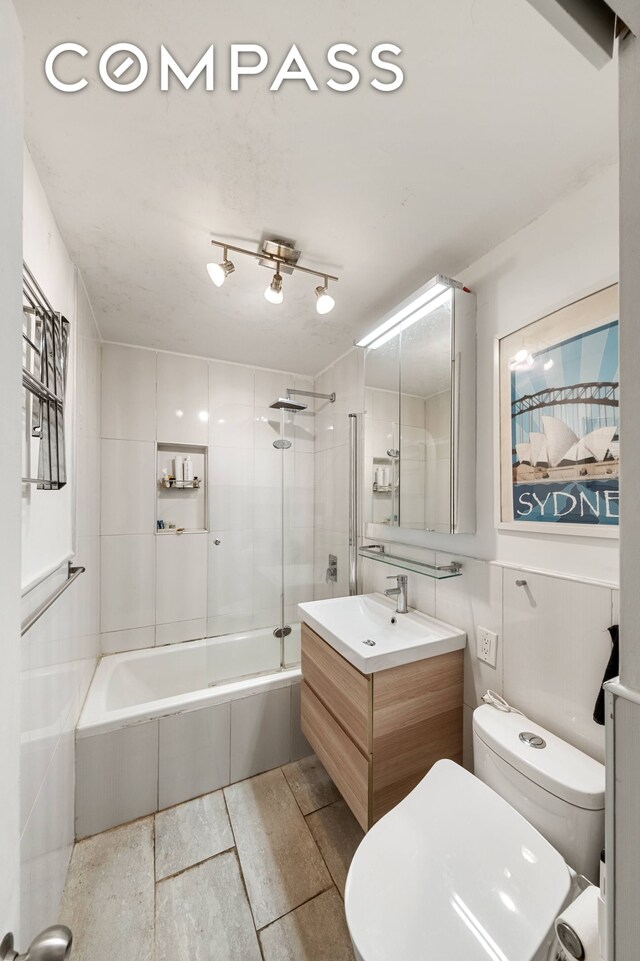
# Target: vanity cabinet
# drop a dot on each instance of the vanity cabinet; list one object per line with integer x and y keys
{"x": 378, "y": 734}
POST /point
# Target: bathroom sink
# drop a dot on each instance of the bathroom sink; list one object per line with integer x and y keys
{"x": 367, "y": 631}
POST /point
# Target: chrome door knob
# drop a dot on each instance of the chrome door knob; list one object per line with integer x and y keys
{"x": 52, "y": 944}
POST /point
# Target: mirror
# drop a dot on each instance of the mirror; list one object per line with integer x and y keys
{"x": 382, "y": 434}
{"x": 419, "y": 448}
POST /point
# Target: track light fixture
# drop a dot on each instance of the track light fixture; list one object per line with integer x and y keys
{"x": 325, "y": 301}
{"x": 281, "y": 255}
{"x": 220, "y": 272}
{"x": 273, "y": 293}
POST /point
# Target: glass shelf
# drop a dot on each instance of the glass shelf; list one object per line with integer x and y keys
{"x": 429, "y": 570}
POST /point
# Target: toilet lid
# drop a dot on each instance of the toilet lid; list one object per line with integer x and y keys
{"x": 453, "y": 873}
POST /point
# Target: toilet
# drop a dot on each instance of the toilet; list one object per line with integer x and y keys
{"x": 457, "y": 871}
{"x": 556, "y": 787}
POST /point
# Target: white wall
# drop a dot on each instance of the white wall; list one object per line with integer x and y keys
{"x": 553, "y": 643}
{"x": 59, "y": 653}
{"x": 10, "y": 438}
{"x": 161, "y": 588}
{"x": 568, "y": 252}
{"x": 47, "y": 523}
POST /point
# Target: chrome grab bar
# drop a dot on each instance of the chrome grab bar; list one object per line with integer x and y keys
{"x": 72, "y": 574}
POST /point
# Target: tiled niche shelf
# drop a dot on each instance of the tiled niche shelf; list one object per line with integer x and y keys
{"x": 183, "y": 504}
{"x": 429, "y": 570}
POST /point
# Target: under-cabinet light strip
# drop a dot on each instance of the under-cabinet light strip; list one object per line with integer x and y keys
{"x": 409, "y": 311}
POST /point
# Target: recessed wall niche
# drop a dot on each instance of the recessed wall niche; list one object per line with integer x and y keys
{"x": 181, "y": 501}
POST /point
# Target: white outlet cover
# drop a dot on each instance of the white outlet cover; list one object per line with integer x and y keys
{"x": 487, "y": 646}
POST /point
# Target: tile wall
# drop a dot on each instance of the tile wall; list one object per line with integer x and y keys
{"x": 59, "y": 655}
{"x": 134, "y": 771}
{"x": 331, "y": 514}
{"x": 164, "y": 588}
{"x": 553, "y": 642}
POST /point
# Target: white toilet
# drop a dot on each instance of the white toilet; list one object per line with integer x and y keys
{"x": 455, "y": 872}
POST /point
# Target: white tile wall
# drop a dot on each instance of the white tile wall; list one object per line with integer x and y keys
{"x": 236, "y": 585}
{"x": 557, "y": 647}
{"x": 128, "y": 393}
{"x": 126, "y": 774}
{"x": 194, "y": 754}
{"x": 182, "y": 400}
{"x": 260, "y": 733}
{"x": 116, "y": 777}
{"x": 58, "y": 659}
{"x": 128, "y": 581}
{"x": 181, "y": 577}
{"x": 553, "y": 643}
{"x": 231, "y": 491}
{"x": 179, "y": 631}
{"x": 112, "y": 642}
{"x": 471, "y": 601}
{"x": 331, "y": 469}
{"x": 300, "y": 747}
{"x": 230, "y": 384}
{"x": 128, "y": 487}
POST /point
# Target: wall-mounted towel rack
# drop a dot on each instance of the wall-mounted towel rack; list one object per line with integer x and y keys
{"x": 378, "y": 552}
{"x": 72, "y": 574}
{"x": 44, "y": 372}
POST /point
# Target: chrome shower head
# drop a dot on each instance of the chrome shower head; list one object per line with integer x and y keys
{"x": 285, "y": 403}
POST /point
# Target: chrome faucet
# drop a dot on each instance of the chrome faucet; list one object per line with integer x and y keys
{"x": 399, "y": 591}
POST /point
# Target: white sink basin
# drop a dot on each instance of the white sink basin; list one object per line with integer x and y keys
{"x": 349, "y": 623}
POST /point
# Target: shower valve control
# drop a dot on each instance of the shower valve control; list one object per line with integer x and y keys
{"x": 487, "y": 646}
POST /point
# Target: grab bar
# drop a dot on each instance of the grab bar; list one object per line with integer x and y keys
{"x": 72, "y": 574}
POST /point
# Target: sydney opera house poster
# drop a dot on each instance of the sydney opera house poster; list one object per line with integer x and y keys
{"x": 560, "y": 419}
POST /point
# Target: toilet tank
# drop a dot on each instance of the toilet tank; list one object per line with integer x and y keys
{"x": 556, "y": 787}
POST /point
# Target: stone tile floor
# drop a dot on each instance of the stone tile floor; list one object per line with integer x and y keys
{"x": 254, "y": 872}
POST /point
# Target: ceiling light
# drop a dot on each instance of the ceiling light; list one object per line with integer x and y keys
{"x": 280, "y": 255}
{"x": 273, "y": 293}
{"x": 220, "y": 272}
{"x": 325, "y": 301}
{"x": 409, "y": 308}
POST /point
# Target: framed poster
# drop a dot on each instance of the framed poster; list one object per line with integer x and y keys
{"x": 559, "y": 421}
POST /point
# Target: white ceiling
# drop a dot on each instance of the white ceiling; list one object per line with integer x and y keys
{"x": 498, "y": 117}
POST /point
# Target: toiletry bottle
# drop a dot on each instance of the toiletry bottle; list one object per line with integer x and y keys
{"x": 187, "y": 467}
{"x": 178, "y": 468}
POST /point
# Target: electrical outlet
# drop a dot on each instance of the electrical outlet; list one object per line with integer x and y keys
{"x": 487, "y": 646}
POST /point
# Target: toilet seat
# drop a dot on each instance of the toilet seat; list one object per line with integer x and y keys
{"x": 453, "y": 873}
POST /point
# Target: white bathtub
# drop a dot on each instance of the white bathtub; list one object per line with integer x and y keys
{"x": 166, "y": 724}
{"x": 141, "y": 685}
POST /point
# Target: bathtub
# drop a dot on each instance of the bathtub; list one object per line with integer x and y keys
{"x": 166, "y": 724}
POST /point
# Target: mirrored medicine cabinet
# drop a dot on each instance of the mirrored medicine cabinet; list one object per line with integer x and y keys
{"x": 420, "y": 420}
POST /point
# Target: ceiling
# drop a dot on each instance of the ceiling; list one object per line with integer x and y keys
{"x": 498, "y": 117}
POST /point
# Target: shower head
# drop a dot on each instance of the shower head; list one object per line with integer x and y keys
{"x": 285, "y": 403}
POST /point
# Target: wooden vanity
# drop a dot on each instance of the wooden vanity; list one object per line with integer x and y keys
{"x": 378, "y": 734}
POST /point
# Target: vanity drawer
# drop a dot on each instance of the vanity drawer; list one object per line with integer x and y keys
{"x": 346, "y": 766}
{"x": 341, "y": 688}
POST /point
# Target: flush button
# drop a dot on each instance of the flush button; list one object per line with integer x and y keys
{"x": 533, "y": 740}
